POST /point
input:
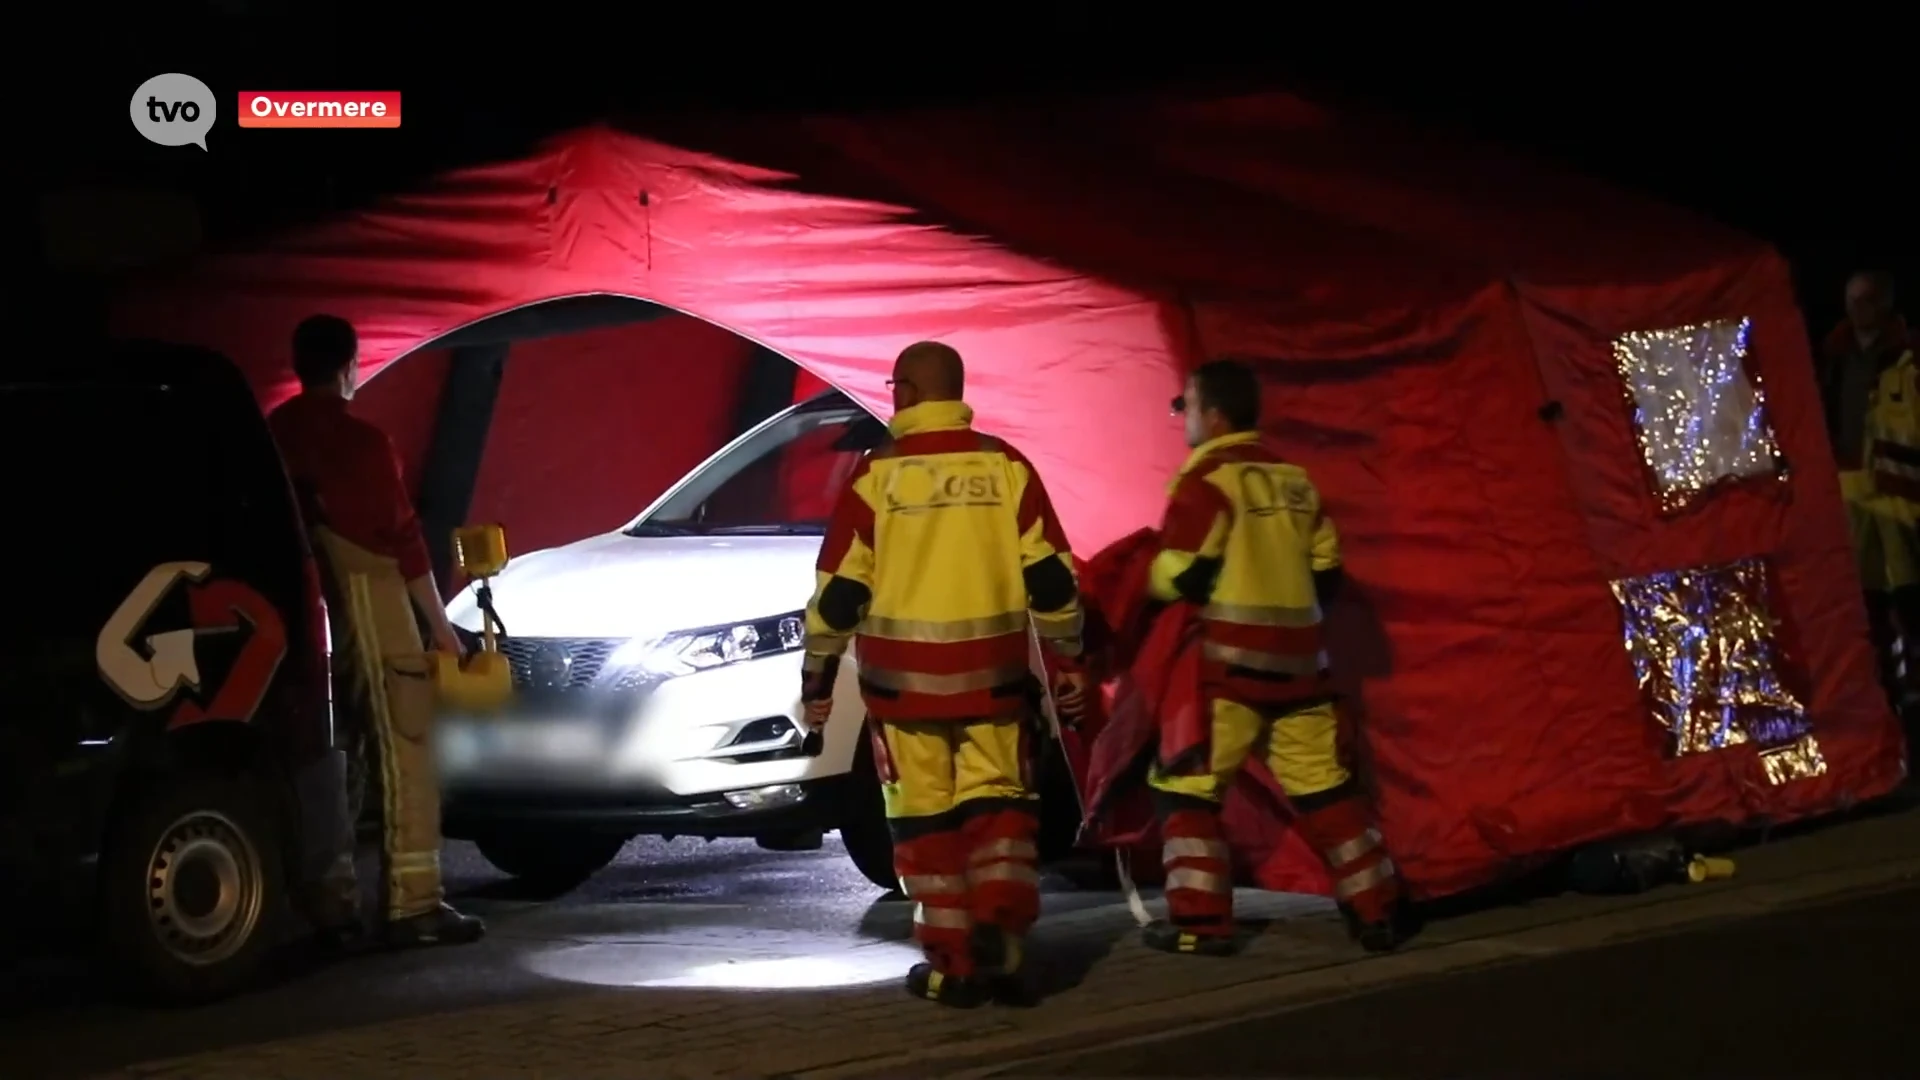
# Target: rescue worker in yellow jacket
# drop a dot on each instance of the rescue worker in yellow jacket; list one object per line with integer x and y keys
{"x": 1884, "y": 511}
{"x": 1245, "y": 538}
{"x": 1867, "y": 375}
{"x": 943, "y": 556}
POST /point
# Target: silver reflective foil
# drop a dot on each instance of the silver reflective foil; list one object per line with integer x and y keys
{"x": 1699, "y": 414}
{"x": 1706, "y": 653}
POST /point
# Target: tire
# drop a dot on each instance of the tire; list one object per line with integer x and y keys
{"x": 863, "y": 826}
{"x": 1060, "y": 814}
{"x": 190, "y": 881}
{"x": 1059, "y": 805}
{"x": 550, "y": 861}
{"x": 869, "y": 842}
{"x": 1092, "y": 871}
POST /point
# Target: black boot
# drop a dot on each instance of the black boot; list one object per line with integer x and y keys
{"x": 1382, "y": 936}
{"x": 1002, "y": 960}
{"x": 334, "y": 914}
{"x": 1169, "y": 938}
{"x": 443, "y": 926}
{"x": 957, "y": 991}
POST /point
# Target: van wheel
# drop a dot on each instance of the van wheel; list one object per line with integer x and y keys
{"x": 863, "y": 826}
{"x": 550, "y": 861}
{"x": 190, "y": 879}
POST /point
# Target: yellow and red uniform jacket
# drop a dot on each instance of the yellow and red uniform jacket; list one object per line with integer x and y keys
{"x": 1838, "y": 355}
{"x": 1245, "y": 538}
{"x": 1893, "y": 435}
{"x": 942, "y": 550}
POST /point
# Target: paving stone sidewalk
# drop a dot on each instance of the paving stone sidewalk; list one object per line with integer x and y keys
{"x": 1118, "y": 988}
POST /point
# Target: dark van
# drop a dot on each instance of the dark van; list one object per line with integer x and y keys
{"x": 162, "y": 675}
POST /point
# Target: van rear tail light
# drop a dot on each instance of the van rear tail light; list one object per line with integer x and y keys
{"x": 320, "y": 654}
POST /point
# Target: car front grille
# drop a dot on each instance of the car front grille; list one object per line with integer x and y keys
{"x": 557, "y": 663}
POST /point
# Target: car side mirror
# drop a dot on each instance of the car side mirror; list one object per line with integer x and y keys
{"x": 862, "y": 435}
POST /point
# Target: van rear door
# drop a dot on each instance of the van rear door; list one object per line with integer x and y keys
{"x": 155, "y": 581}
{"x": 103, "y": 480}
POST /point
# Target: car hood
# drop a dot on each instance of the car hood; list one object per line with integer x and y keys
{"x": 619, "y": 586}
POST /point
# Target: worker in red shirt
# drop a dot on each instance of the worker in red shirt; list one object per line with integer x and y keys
{"x": 368, "y": 540}
{"x": 944, "y": 558}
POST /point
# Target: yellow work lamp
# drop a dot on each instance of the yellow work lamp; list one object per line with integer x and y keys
{"x": 485, "y": 680}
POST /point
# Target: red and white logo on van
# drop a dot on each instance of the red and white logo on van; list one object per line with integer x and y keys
{"x": 153, "y": 679}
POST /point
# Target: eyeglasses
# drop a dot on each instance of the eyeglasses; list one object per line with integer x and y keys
{"x": 1180, "y": 405}
{"x": 899, "y": 382}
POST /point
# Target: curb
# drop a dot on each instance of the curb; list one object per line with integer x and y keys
{"x": 1000, "y": 1055}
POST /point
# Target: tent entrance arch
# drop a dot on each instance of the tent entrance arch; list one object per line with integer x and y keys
{"x": 564, "y": 418}
{"x": 665, "y": 493}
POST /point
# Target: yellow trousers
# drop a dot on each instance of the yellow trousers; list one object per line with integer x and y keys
{"x": 938, "y": 765}
{"x": 964, "y": 816}
{"x": 1301, "y": 748}
{"x": 378, "y": 622}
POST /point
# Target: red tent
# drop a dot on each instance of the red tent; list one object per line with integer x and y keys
{"x": 1551, "y": 420}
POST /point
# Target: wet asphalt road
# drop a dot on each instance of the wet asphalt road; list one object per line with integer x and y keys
{"x": 684, "y": 912}
{"x": 1824, "y": 991}
{"x": 1818, "y": 991}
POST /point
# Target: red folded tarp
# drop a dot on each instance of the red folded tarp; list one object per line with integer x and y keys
{"x": 1149, "y": 658}
{"x": 1434, "y": 321}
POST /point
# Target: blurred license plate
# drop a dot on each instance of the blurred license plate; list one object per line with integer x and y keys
{"x": 550, "y": 740}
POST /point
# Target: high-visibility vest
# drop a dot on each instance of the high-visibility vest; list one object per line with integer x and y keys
{"x": 948, "y": 540}
{"x": 1244, "y": 534}
{"x": 1893, "y": 433}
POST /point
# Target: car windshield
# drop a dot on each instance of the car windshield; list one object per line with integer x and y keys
{"x": 782, "y": 479}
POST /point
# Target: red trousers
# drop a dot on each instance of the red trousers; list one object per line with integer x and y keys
{"x": 964, "y": 816}
{"x": 1299, "y": 747}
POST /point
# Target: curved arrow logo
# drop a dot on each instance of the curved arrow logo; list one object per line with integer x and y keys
{"x": 224, "y": 606}
{"x": 149, "y": 683}
{"x": 217, "y": 606}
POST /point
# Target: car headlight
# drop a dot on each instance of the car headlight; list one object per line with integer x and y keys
{"x": 655, "y": 659}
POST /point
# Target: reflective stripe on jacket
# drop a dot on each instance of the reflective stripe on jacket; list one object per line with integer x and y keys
{"x": 1244, "y": 536}
{"x": 1893, "y": 431}
{"x": 942, "y": 550}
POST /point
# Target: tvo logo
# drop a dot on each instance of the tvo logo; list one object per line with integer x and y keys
{"x": 173, "y": 110}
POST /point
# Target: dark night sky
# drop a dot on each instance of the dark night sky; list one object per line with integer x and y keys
{"x": 1800, "y": 152}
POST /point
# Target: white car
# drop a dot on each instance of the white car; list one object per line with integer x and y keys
{"x": 658, "y": 676}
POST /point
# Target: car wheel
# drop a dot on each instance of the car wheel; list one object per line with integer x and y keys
{"x": 190, "y": 880}
{"x": 1060, "y": 816}
{"x": 550, "y": 861}
{"x": 863, "y": 825}
{"x": 1059, "y": 804}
